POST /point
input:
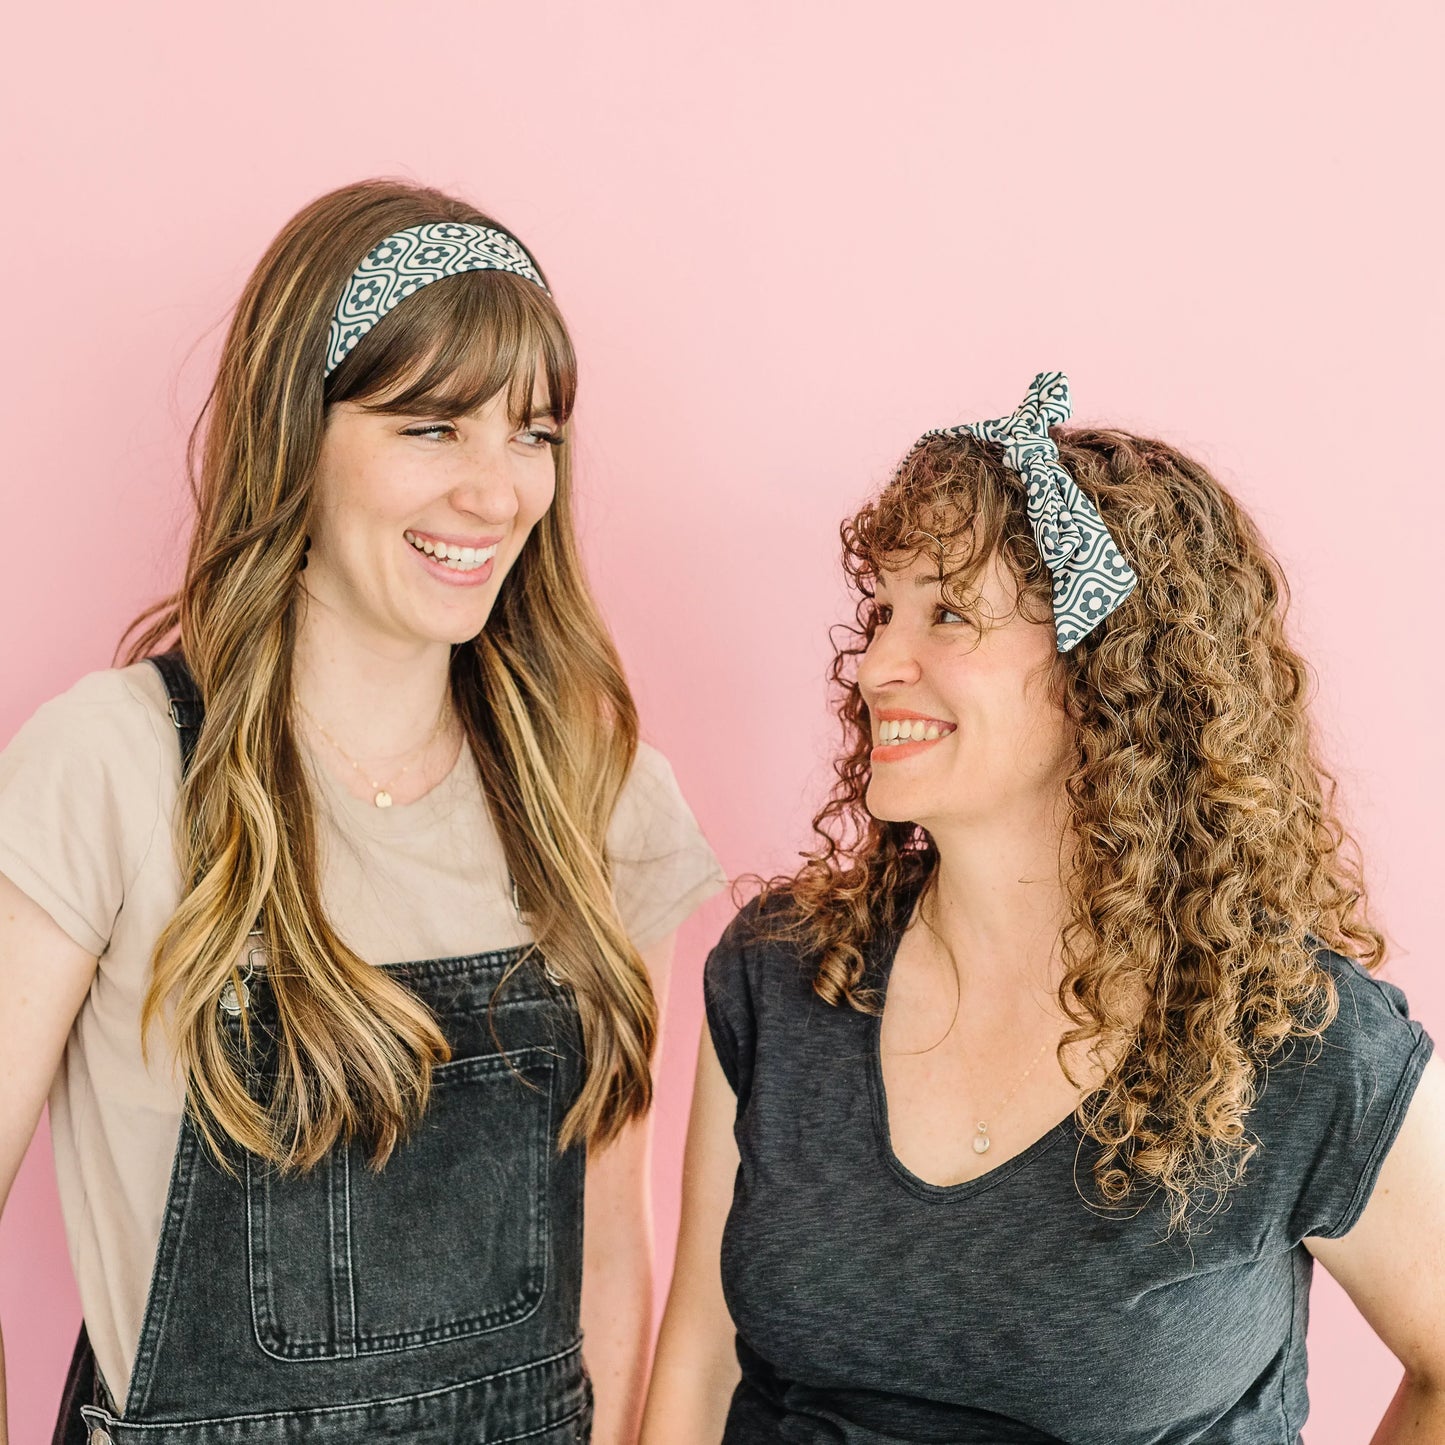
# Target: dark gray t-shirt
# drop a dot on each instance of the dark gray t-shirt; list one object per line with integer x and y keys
{"x": 874, "y": 1308}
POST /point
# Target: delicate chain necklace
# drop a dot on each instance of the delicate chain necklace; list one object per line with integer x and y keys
{"x": 381, "y": 791}
{"x": 981, "y": 1141}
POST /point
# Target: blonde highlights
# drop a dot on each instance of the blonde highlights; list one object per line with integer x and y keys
{"x": 540, "y": 692}
{"x": 1211, "y": 862}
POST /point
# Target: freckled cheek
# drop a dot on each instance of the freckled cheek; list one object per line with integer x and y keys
{"x": 534, "y": 499}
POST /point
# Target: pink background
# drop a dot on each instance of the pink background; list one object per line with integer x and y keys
{"x": 789, "y": 237}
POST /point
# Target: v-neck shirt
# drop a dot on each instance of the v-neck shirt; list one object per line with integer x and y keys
{"x": 874, "y": 1307}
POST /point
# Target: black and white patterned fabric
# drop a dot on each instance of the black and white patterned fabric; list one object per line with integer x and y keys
{"x": 406, "y": 261}
{"x": 1090, "y": 577}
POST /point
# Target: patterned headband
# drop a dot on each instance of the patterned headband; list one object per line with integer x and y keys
{"x": 406, "y": 261}
{"x": 1090, "y": 577}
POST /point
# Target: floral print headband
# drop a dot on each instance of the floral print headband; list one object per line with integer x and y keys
{"x": 406, "y": 261}
{"x": 1090, "y": 577}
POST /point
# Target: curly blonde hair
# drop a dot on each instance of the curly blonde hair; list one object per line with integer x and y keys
{"x": 1210, "y": 864}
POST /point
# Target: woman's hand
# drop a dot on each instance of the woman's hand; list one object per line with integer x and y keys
{"x": 1392, "y": 1265}
{"x": 44, "y": 978}
{"x": 696, "y": 1369}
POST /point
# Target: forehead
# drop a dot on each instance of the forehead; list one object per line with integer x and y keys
{"x": 468, "y": 389}
{"x": 964, "y": 581}
{"x": 909, "y": 573}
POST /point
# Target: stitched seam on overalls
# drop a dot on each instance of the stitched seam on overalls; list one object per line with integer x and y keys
{"x": 323, "y": 1410}
{"x": 277, "y": 1343}
{"x": 348, "y": 1264}
{"x": 163, "y": 1273}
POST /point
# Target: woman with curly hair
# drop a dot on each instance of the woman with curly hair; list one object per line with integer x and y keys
{"x": 334, "y": 924}
{"x": 1082, "y": 864}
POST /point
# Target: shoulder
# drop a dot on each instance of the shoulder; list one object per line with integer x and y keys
{"x": 115, "y": 717}
{"x": 1370, "y": 1052}
{"x": 648, "y": 805}
{"x": 759, "y": 944}
{"x": 1370, "y": 1034}
{"x": 1372, "y": 1024}
{"x": 662, "y": 866}
{"x": 87, "y": 785}
{"x": 1362, "y": 993}
{"x": 766, "y": 921}
{"x": 1330, "y": 1106}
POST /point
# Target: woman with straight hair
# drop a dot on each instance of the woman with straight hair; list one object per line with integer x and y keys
{"x": 1026, "y": 1107}
{"x": 334, "y": 923}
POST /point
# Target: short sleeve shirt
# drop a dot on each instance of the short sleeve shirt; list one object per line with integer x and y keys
{"x": 88, "y": 790}
{"x": 874, "y": 1307}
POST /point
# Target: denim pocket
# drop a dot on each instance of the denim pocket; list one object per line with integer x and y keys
{"x": 449, "y": 1239}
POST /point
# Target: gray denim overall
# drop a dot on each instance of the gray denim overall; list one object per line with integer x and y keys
{"x": 434, "y": 1302}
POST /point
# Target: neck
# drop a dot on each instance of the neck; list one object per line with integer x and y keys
{"x": 999, "y": 898}
{"x": 377, "y": 696}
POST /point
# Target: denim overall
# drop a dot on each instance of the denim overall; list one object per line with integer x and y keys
{"x": 433, "y": 1302}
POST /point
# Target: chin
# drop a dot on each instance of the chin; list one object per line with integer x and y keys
{"x": 892, "y": 804}
{"x": 458, "y": 628}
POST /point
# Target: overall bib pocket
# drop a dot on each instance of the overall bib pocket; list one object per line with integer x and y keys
{"x": 343, "y": 1259}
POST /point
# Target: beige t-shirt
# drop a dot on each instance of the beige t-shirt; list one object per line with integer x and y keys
{"x": 87, "y": 792}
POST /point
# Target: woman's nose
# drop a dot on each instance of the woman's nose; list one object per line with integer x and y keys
{"x": 890, "y": 661}
{"x": 485, "y": 487}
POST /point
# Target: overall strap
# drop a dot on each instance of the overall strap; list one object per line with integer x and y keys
{"x": 184, "y": 696}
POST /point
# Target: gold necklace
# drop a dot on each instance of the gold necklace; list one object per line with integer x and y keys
{"x": 982, "y": 1143}
{"x": 381, "y": 792}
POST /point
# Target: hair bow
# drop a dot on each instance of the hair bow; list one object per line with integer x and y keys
{"x": 1090, "y": 576}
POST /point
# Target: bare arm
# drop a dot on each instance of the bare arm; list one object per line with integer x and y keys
{"x": 617, "y": 1261}
{"x": 696, "y": 1369}
{"x": 44, "y": 978}
{"x": 1392, "y": 1265}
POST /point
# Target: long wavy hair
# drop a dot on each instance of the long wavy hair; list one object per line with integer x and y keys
{"x": 540, "y": 692}
{"x": 1210, "y": 863}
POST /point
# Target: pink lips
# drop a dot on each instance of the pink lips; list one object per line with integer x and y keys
{"x": 899, "y": 752}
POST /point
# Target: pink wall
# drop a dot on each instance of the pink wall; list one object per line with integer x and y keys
{"x": 789, "y": 237}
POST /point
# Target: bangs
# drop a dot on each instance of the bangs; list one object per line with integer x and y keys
{"x": 452, "y": 346}
{"x": 954, "y": 503}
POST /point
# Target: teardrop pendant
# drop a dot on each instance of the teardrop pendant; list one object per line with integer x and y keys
{"x": 382, "y": 798}
{"x": 981, "y": 1140}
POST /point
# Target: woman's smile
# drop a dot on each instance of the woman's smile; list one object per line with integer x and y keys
{"x": 902, "y": 734}
{"x": 456, "y": 563}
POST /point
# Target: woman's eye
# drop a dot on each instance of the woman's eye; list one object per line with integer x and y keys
{"x": 539, "y": 437}
{"x": 881, "y": 614}
{"x": 947, "y": 614}
{"x": 436, "y": 430}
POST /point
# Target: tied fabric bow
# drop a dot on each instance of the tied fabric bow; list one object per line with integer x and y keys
{"x": 1090, "y": 577}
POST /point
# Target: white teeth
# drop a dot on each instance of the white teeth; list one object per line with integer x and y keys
{"x": 911, "y": 730}
{"x": 459, "y": 559}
